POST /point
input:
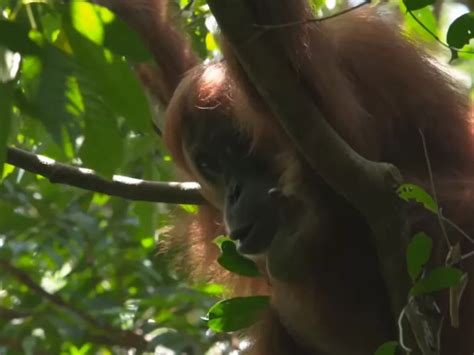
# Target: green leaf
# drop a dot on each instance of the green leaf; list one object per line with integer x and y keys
{"x": 6, "y": 104}
{"x": 231, "y": 260}
{"x": 412, "y": 26}
{"x": 86, "y": 21}
{"x": 146, "y": 214}
{"x": 102, "y": 149}
{"x": 15, "y": 37}
{"x": 117, "y": 84}
{"x": 388, "y": 348}
{"x": 437, "y": 279}
{"x": 461, "y": 31}
{"x": 51, "y": 99}
{"x": 191, "y": 209}
{"x": 236, "y": 313}
{"x": 410, "y": 192}
{"x": 418, "y": 254}
{"x": 417, "y": 4}
{"x": 211, "y": 44}
{"x": 212, "y": 289}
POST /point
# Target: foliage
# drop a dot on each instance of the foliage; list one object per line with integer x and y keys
{"x": 437, "y": 279}
{"x": 231, "y": 260}
{"x": 236, "y": 313}
{"x": 81, "y": 272}
{"x": 416, "y": 193}
{"x": 389, "y": 348}
{"x": 418, "y": 254}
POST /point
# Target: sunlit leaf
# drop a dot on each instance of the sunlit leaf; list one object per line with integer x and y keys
{"x": 211, "y": 44}
{"x": 409, "y": 192}
{"x": 7, "y": 170}
{"x": 100, "y": 199}
{"x": 191, "y": 209}
{"x": 85, "y": 19}
{"x": 212, "y": 289}
{"x": 147, "y": 243}
{"x": 236, "y": 313}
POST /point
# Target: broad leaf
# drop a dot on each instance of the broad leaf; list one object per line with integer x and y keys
{"x": 236, "y": 313}
{"x": 437, "y": 279}
{"x": 460, "y": 32}
{"x": 86, "y": 20}
{"x": 418, "y": 254}
{"x": 51, "y": 99}
{"x": 102, "y": 149}
{"x": 231, "y": 260}
{"x": 414, "y": 192}
{"x": 118, "y": 86}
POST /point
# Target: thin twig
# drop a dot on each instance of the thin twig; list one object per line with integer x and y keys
{"x": 264, "y": 28}
{"x": 435, "y": 36}
{"x": 311, "y": 20}
{"x": 120, "y": 186}
{"x": 457, "y": 228}
{"x": 433, "y": 189}
{"x": 467, "y": 255}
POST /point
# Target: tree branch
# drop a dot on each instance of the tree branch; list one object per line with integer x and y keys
{"x": 120, "y": 186}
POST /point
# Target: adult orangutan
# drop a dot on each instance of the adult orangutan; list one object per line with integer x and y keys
{"x": 377, "y": 90}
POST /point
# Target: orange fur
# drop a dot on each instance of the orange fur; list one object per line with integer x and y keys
{"x": 377, "y": 90}
{"x": 192, "y": 241}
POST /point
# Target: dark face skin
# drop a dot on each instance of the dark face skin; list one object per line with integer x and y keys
{"x": 238, "y": 181}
